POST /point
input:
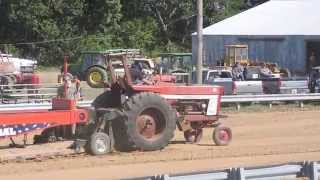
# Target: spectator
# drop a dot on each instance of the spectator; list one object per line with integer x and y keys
{"x": 77, "y": 84}
{"x": 265, "y": 71}
{"x": 312, "y": 60}
{"x": 237, "y": 71}
{"x": 245, "y": 71}
{"x": 71, "y": 87}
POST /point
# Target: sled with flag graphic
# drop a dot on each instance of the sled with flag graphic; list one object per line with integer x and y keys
{"x": 22, "y": 122}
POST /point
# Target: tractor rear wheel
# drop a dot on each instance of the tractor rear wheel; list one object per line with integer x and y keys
{"x": 96, "y": 77}
{"x": 150, "y": 122}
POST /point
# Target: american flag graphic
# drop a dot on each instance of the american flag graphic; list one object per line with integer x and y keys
{"x": 9, "y": 130}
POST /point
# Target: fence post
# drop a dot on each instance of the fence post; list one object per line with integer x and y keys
{"x": 236, "y": 174}
{"x": 238, "y": 106}
{"x": 313, "y": 175}
{"x": 301, "y": 105}
{"x": 310, "y": 170}
{"x": 160, "y": 177}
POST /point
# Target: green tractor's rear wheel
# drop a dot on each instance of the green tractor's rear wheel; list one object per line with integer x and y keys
{"x": 96, "y": 76}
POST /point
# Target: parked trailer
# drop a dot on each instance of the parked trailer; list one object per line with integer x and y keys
{"x": 17, "y": 71}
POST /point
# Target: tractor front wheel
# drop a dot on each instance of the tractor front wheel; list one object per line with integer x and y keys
{"x": 222, "y": 135}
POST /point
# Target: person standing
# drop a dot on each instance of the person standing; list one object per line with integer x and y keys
{"x": 265, "y": 72}
{"x": 237, "y": 71}
{"x": 77, "y": 84}
{"x": 312, "y": 60}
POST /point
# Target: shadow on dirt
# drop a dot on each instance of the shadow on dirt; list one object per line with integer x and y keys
{"x": 206, "y": 145}
{"x": 178, "y": 142}
{"x": 185, "y": 142}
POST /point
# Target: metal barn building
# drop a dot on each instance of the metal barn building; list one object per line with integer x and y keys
{"x": 281, "y": 31}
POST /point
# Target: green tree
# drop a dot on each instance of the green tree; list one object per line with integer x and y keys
{"x": 29, "y": 21}
{"x": 75, "y": 25}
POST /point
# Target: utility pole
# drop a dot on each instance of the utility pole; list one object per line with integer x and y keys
{"x": 200, "y": 41}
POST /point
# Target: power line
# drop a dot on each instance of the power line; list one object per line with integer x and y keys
{"x": 51, "y": 41}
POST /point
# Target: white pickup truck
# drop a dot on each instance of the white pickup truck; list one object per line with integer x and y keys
{"x": 224, "y": 78}
{"x": 254, "y": 84}
{"x": 295, "y": 85}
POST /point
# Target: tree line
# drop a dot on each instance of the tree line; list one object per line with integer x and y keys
{"x": 47, "y": 29}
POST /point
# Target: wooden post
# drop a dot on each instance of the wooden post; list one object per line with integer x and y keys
{"x": 65, "y": 71}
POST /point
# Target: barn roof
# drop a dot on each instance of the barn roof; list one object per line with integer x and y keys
{"x": 275, "y": 17}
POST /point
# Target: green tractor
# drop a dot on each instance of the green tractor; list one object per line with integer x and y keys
{"x": 177, "y": 64}
{"x": 92, "y": 66}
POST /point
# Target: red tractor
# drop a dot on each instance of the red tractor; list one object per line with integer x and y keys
{"x": 140, "y": 116}
{"x": 128, "y": 116}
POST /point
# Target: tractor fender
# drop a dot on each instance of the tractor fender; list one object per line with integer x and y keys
{"x": 109, "y": 114}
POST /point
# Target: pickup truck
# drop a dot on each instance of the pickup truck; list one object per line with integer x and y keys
{"x": 295, "y": 85}
{"x": 224, "y": 78}
{"x": 314, "y": 80}
{"x": 254, "y": 83}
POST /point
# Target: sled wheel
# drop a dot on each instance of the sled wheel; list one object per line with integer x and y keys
{"x": 99, "y": 144}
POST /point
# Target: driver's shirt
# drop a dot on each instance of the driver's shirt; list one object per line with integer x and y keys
{"x": 135, "y": 74}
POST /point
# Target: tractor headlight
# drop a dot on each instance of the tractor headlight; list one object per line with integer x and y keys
{"x": 204, "y": 106}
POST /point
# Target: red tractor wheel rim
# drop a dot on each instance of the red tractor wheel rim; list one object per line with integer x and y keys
{"x": 224, "y": 135}
{"x": 146, "y": 126}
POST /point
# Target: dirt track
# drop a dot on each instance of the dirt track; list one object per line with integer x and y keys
{"x": 259, "y": 138}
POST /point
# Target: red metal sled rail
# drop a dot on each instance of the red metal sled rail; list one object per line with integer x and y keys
{"x": 63, "y": 112}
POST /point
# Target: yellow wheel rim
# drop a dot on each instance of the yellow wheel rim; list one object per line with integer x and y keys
{"x": 95, "y": 77}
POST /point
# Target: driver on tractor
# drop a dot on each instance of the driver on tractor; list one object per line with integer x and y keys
{"x": 137, "y": 75}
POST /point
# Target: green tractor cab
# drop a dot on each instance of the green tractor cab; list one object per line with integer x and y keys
{"x": 177, "y": 64}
